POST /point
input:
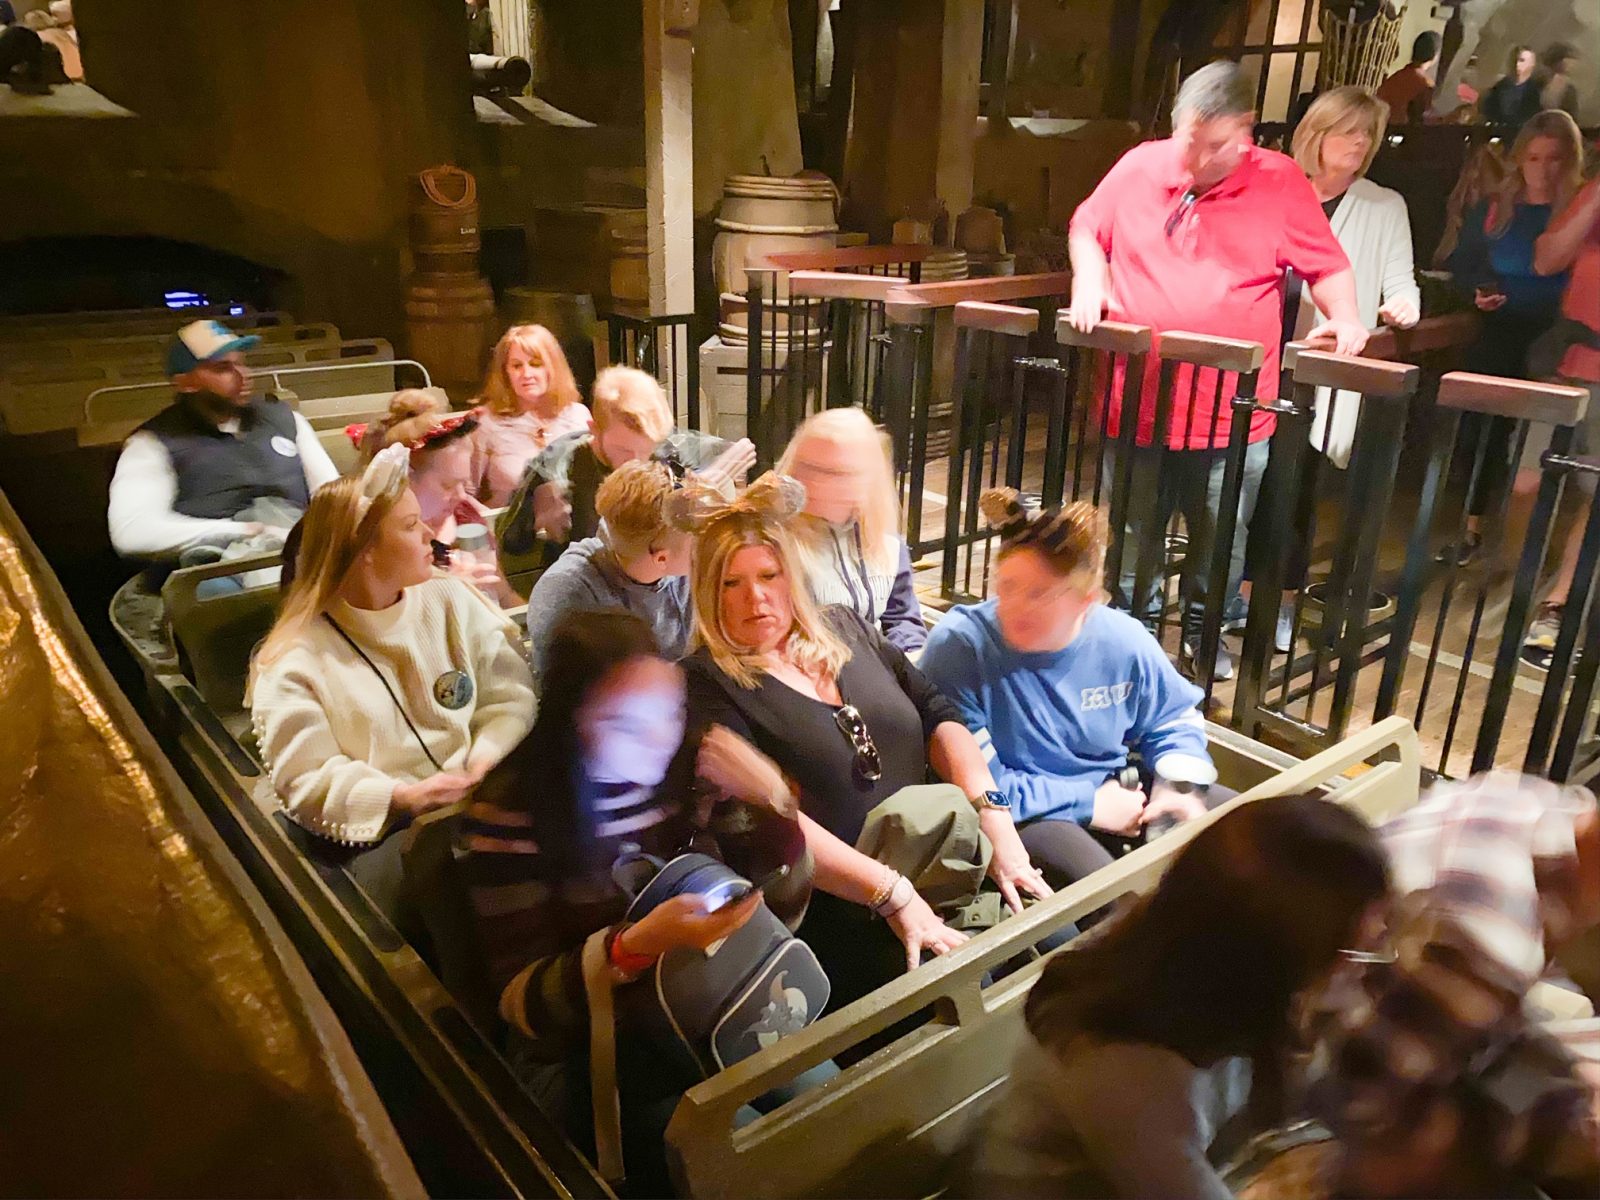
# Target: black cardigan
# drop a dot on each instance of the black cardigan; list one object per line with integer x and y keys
{"x": 900, "y": 705}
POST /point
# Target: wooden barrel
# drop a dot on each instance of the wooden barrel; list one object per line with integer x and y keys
{"x": 733, "y": 322}
{"x": 450, "y": 329}
{"x": 763, "y": 215}
{"x": 568, "y": 315}
{"x": 630, "y": 265}
{"x": 444, "y": 221}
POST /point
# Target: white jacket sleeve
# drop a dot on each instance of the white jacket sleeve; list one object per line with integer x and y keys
{"x": 143, "y": 491}
{"x": 320, "y": 788}
{"x": 314, "y": 459}
{"x": 1399, "y": 269}
{"x": 505, "y": 707}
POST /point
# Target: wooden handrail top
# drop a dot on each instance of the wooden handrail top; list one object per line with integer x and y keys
{"x": 833, "y": 285}
{"x": 1114, "y": 337}
{"x": 1430, "y": 333}
{"x": 997, "y": 318}
{"x": 995, "y": 289}
{"x": 842, "y": 258}
{"x": 1205, "y": 350}
{"x": 1369, "y": 376}
{"x": 1555, "y": 403}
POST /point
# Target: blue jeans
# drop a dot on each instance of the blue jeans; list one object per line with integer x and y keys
{"x": 1190, "y": 482}
{"x": 208, "y": 589}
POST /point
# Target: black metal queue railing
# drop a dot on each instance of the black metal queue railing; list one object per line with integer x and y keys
{"x": 1339, "y": 431}
{"x": 659, "y": 345}
{"x": 797, "y": 324}
{"x": 1457, "y": 674}
{"x": 1053, "y": 426}
{"x": 1445, "y": 647}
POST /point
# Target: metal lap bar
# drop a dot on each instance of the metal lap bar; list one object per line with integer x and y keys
{"x": 883, "y": 1126}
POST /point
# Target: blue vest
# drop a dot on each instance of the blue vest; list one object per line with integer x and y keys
{"x": 221, "y": 474}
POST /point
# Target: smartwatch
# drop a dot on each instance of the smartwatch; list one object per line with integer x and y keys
{"x": 991, "y": 799}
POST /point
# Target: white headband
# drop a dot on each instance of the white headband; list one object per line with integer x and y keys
{"x": 386, "y": 476}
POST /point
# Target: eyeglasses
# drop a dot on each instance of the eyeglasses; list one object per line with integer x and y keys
{"x": 1184, "y": 205}
{"x": 868, "y": 765}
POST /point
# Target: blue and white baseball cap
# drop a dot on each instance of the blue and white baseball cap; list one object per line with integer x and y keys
{"x": 201, "y": 341}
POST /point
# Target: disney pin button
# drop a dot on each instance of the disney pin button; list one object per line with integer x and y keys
{"x": 453, "y": 689}
{"x": 285, "y": 446}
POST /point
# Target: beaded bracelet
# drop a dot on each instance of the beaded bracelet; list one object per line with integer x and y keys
{"x": 885, "y": 889}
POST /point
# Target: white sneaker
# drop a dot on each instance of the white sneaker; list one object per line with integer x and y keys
{"x": 1283, "y": 633}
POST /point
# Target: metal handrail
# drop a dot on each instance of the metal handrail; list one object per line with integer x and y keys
{"x": 274, "y": 373}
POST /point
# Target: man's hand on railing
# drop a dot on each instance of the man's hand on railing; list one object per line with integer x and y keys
{"x": 1341, "y": 337}
{"x": 1401, "y": 313}
{"x": 1088, "y": 303}
{"x": 1088, "y": 306}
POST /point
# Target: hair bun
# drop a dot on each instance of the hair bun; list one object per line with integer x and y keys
{"x": 1002, "y": 508}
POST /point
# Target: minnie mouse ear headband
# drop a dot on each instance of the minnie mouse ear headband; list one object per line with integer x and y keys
{"x": 442, "y": 428}
{"x": 385, "y": 477}
{"x": 1056, "y": 531}
{"x": 698, "y": 506}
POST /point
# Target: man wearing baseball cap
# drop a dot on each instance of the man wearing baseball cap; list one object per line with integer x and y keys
{"x": 189, "y": 476}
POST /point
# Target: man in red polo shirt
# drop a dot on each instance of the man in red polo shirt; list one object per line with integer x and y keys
{"x": 1194, "y": 233}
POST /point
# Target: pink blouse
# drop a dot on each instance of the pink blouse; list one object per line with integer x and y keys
{"x": 502, "y": 446}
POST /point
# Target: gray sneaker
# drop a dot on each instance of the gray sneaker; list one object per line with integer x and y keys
{"x": 1224, "y": 662}
{"x": 1283, "y": 632}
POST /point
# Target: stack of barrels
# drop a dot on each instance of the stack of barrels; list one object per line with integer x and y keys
{"x": 449, "y": 304}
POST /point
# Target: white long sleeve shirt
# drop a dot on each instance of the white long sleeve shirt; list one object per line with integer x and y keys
{"x": 1374, "y": 228}
{"x": 334, "y": 742}
{"x": 145, "y": 488}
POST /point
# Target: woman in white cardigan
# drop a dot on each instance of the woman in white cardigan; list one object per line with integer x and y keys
{"x": 1335, "y": 144}
{"x": 384, "y": 689}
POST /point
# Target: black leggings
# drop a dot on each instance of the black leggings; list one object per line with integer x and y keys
{"x": 1063, "y": 850}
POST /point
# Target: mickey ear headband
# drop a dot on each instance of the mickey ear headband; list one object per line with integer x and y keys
{"x": 697, "y": 506}
{"x": 385, "y": 477}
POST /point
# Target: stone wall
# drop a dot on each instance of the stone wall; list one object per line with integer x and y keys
{"x": 283, "y": 135}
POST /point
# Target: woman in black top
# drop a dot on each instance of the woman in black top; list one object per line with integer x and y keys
{"x": 847, "y": 719}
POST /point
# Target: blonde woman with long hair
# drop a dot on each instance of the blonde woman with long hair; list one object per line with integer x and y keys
{"x": 849, "y": 535}
{"x": 1494, "y": 261}
{"x": 846, "y": 718}
{"x": 384, "y": 689}
{"x": 529, "y": 400}
{"x": 1334, "y": 144}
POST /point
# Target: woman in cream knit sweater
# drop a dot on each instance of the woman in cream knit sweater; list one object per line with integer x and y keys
{"x": 384, "y": 690}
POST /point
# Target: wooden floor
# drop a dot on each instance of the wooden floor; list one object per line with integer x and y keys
{"x": 1445, "y": 702}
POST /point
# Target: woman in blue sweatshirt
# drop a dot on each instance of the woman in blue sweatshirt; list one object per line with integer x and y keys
{"x": 1058, "y": 689}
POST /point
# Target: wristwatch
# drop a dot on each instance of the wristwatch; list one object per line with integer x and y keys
{"x": 991, "y": 799}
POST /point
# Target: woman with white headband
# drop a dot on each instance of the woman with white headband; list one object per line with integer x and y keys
{"x": 385, "y": 689}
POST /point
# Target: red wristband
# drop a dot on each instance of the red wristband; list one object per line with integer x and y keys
{"x": 621, "y": 960}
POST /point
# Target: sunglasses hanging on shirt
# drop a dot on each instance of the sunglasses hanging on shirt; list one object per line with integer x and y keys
{"x": 1184, "y": 205}
{"x": 850, "y": 722}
